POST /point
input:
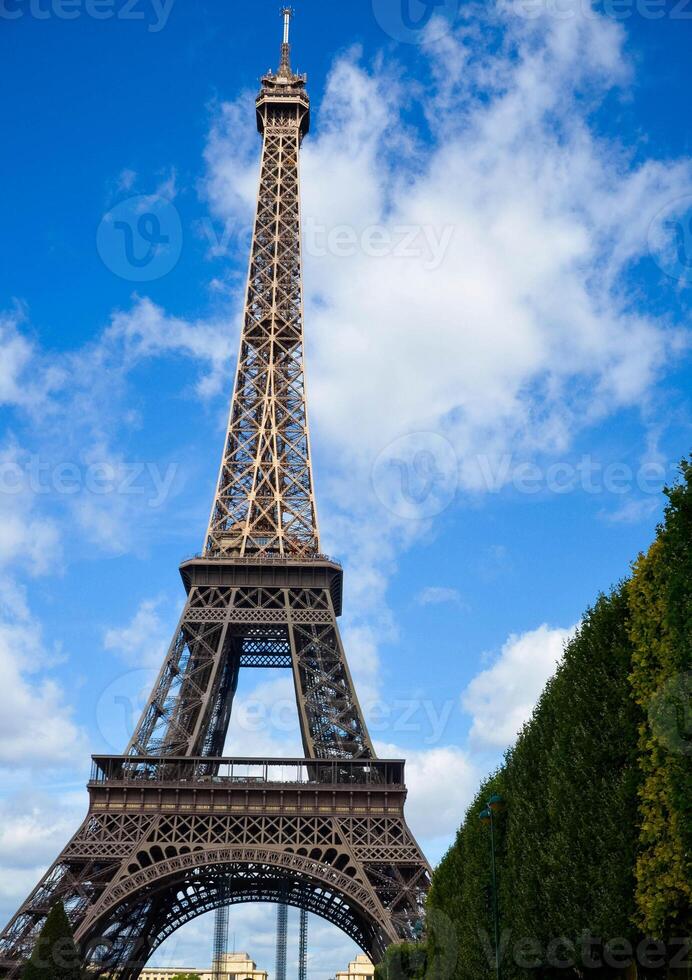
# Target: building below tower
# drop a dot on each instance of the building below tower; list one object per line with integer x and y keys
{"x": 359, "y": 969}
{"x": 231, "y": 966}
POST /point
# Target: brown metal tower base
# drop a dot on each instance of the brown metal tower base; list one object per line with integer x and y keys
{"x": 168, "y": 839}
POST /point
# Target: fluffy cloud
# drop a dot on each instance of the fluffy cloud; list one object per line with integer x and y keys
{"x": 29, "y": 537}
{"x": 36, "y": 725}
{"x": 75, "y": 411}
{"x": 146, "y": 331}
{"x": 436, "y": 595}
{"x": 501, "y": 698}
{"x": 441, "y": 783}
{"x": 502, "y": 322}
{"x": 143, "y": 641}
{"x": 33, "y": 830}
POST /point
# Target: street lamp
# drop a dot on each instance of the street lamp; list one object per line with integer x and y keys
{"x": 487, "y": 816}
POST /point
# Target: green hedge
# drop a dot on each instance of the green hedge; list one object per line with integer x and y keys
{"x": 660, "y": 596}
{"x": 595, "y": 839}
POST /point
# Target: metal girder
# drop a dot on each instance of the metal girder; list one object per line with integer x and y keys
{"x": 189, "y": 709}
{"x": 175, "y": 830}
{"x": 265, "y": 502}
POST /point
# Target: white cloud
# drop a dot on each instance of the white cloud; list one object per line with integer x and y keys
{"x": 488, "y": 347}
{"x": 17, "y": 354}
{"x": 264, "y": 721}
{"x": 436, "y": 595}
{"x": 441, "y": 783}
{"x": 524, "y": 332}
{"x": 143, "y": 641}
{"x": 36, "y": 725}
{"x": 33, "y": 838}
{"x": 29, "y": 537}
{"x": 34, "y": 827}
{"x": 146, "y": 331}
{"x": 74, "y": 410}
{"x": 502, "y": 698}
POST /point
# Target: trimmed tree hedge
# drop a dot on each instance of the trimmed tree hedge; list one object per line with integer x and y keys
{"x": 593, "y": 848}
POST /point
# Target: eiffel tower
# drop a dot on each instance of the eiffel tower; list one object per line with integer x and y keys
{"x": 173, "y": 828}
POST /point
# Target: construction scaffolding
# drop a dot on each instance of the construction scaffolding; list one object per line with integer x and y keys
{"x": 303, "y": 946}
{"x": 281, "y": 940}
{"x": 220, "y": 942}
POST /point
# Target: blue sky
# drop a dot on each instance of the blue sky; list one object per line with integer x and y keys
{"x": 498, "y": 261}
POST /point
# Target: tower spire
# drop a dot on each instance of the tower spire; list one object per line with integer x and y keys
{"x": 285, "y": 67}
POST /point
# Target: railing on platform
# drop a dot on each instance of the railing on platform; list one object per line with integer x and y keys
{"x": 218, "y": 771}
{"x": 265, "y": 559}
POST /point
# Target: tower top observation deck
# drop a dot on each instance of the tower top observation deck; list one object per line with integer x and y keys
{"x": 284, "y": 87}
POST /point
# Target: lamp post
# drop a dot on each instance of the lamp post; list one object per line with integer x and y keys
{"x": 487, "y": 816}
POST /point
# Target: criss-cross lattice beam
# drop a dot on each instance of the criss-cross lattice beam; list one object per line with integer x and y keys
{"x": 223, "y": 628}
{"x": 264, "y": 501}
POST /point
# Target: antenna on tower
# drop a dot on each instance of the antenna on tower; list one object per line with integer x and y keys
{"x": 287, "y": 14}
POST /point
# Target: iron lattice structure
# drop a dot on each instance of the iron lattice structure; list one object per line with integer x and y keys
{"x": 174, "y": 829}
{"x": 220, "y": 942}
{"x": 281, "y": 940}
{"x": 303, "y": 946}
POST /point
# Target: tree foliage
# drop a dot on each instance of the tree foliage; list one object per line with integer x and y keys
{"x": 595, "y": 841}
{"x": 55, "y": 955}
{"x": 660, "y": 594}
